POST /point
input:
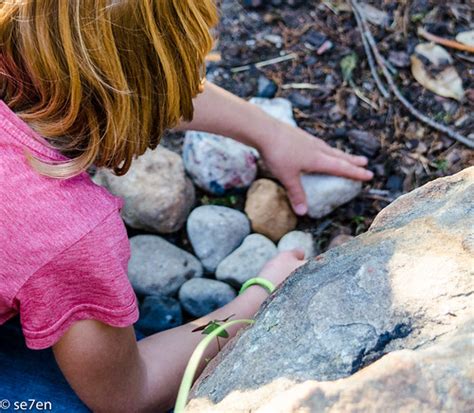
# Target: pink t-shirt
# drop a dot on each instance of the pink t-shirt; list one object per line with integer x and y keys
{"x": 63, "y": 246}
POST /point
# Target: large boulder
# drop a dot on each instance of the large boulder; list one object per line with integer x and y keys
{"x": 158, "y": 196}
{"x": 404, "y": 288}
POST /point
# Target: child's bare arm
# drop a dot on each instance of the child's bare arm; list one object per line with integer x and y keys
{"x": 110, "y": 371}
{"x": 287, "y": 151}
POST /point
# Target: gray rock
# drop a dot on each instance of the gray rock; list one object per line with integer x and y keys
{"x": 159, "y": 313}
{"x": 437, "y": 378}
{"x": 216, "y": 231}
{"x": 157, "y": 194}
{"x": 158, "y": 267}
{"x": 325, "y": 193}
{"x": 201, "y": 296}
{"x": 405, "y": 286}
{"x": 247, "y": 260}
{"x": 298, "y": 239}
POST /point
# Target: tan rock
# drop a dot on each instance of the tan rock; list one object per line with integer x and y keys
{"x": 269, "y": 210}
{"x": 158, "y": 196}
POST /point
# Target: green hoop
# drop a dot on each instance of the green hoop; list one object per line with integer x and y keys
{"x": 262, "y": 282}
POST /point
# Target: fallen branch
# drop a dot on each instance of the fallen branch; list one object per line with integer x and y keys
{"x": 365, "y": 32}
{"x": 264, "y": 63}
{"x": 453, "y": 44}
{"x": 373, "y": 67}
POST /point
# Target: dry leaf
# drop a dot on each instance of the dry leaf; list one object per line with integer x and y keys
{"x": 447, "y": 82}
{"x": 437, "y": 55}
{"x": 466, "y": 38}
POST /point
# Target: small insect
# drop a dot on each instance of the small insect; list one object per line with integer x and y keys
{"x": 211, "y": 326}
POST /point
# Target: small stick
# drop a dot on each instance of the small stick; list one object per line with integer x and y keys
{"x": 258, "y": 65}
{"x": 453, "y": 44}
{"x": 373, "y": 68}
{"x": 303, "y": 86}
{"x": 365, "y": 31}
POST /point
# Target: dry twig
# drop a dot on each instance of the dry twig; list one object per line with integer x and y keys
{"x": 365, "y": 32}
{"x": 453, "y": 44}
{"x": 264, "y": 63}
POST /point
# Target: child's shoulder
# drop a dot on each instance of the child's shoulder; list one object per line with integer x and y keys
{"x": 36, "y": 210}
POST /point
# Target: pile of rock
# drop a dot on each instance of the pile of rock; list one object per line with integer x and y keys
{"x": 229, "y": 246}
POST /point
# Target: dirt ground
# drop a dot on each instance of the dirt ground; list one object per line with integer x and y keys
{"x": 404, "y": 153}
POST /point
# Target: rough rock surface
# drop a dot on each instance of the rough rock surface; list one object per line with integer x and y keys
{"x": 200, "y": 296}
{"x": 158, "y": 267}
{"x": 247, "y": 260}
{"x": 158, "y": 196}
{"x": 437, "y": 378}
{"x": 216, "y": 231}
{"x": 404, "y": 285}
{"x": 298, "y": 239}
{"x": 269, "y": 209}
{"x": 325, "y": 193}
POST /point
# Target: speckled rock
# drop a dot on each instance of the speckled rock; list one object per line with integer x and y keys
{"x": 404, "y": 287}
{"x": 201, "y": 296}
{"x": 216, "y": 231}
{"x": 157, "y": 194}
{"x": 247, "y": 260}
{"x": 325, "y": 193}
{"x": 298, "y": 239}
{"x": 217, "y": 164}
{"x": 159, "y": 313}
{"x": 158, "y": 267}
{"x": 269, "y": 210}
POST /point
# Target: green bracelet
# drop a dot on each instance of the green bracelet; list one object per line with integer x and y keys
{"x": 262, "y": 282}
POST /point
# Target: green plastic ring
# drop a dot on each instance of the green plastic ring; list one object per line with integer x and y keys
{"x": 262, "y": 282}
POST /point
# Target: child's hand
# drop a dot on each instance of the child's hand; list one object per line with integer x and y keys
{"x": 288, "y": 152}
{"x": 280, "y": 267}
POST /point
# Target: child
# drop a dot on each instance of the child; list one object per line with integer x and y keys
{"x": 97, "y": 82}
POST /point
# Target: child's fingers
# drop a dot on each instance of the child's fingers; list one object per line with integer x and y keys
{"x": 340, "y": 167}
{"x": 296, "y": 194}
{"x": 354, "y": 159}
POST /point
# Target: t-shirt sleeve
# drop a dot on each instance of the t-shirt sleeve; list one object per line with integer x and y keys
{"x": 88, "y": 281}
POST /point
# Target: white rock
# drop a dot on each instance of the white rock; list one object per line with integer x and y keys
{"x": 246, "y": 261}
{"x": 298, "y": 239}
{"x": 279, "y": 108}
{"x": 216, "y": 231}
{"x": 158, "y": 196}
{"x": 325, "y": 193}
{"x": 158, "y": 267}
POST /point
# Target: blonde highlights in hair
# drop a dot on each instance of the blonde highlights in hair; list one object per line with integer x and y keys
{"x": 102, "y": 80}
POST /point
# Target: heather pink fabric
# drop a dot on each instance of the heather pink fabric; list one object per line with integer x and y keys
{"x": 63, "y": 246}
